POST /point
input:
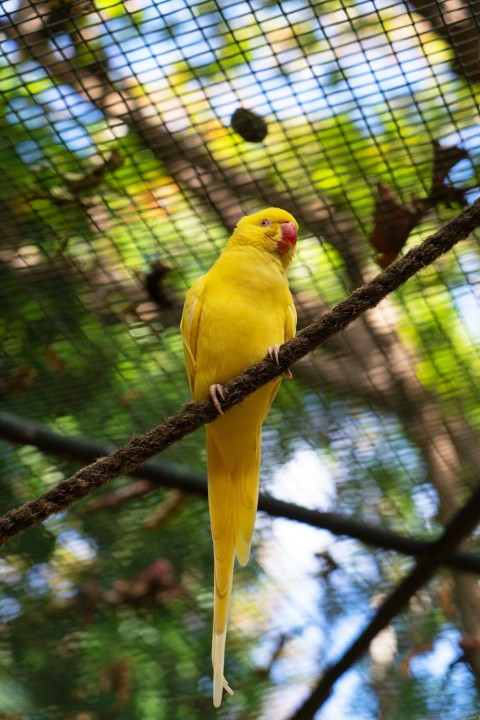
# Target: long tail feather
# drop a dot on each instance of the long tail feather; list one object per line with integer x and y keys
{"x": 245, "y": 487}
{"x": 233, "y": 498}
{"x": 221, "y": 501}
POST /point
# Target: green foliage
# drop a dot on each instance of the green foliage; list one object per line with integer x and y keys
{"x": 87, "y": 351}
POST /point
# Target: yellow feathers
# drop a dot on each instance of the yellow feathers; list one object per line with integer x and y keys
{"x": 233, "y": 315}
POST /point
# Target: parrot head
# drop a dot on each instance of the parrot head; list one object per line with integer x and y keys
{"x": 273, "y": 230}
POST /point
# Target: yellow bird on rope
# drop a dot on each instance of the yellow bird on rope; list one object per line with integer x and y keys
{"x": 232, "y": 316}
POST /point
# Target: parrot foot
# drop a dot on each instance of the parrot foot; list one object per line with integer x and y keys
{"x": 274, "y": 354}
{"x": 215, "y": 390}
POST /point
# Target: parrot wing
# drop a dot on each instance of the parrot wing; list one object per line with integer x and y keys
{"x": 290, "y": 321}
{"x": 189, "y": 326}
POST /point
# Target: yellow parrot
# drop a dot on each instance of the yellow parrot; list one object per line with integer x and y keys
{"x": 232, "y": 316}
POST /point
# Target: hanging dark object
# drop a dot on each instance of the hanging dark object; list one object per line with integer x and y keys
{"x": 155, "y": 285}
{"x": 444, "y": 159}
{"x": 249, "y": 125}
{"x": 392, "y": 224}
{"x": 393, "y": 221}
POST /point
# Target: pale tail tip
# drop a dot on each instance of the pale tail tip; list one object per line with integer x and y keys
{"x": 218, "y": 658}
{"x": 218, "y": 688}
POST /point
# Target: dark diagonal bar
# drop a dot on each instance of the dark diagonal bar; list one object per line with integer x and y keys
{"x": 459, "y": 528}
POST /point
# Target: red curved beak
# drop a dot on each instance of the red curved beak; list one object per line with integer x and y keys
{"x": 288, "y": 238}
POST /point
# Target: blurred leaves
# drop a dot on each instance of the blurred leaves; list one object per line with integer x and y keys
{"x": 101, "y": 617}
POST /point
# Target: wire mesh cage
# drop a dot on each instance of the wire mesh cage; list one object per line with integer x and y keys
{"x": 134, "y": 136}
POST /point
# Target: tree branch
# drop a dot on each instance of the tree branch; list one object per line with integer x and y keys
{"x": 156, "y": 474}
{"x": 159, "y": 474}
{"x": 457, "y": 23}
{"x": 139, "y": 449}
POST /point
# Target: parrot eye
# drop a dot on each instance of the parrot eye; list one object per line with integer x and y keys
{"x": 265, "y": 222}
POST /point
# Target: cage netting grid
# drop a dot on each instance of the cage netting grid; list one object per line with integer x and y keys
{"x": 134, "y": 135}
